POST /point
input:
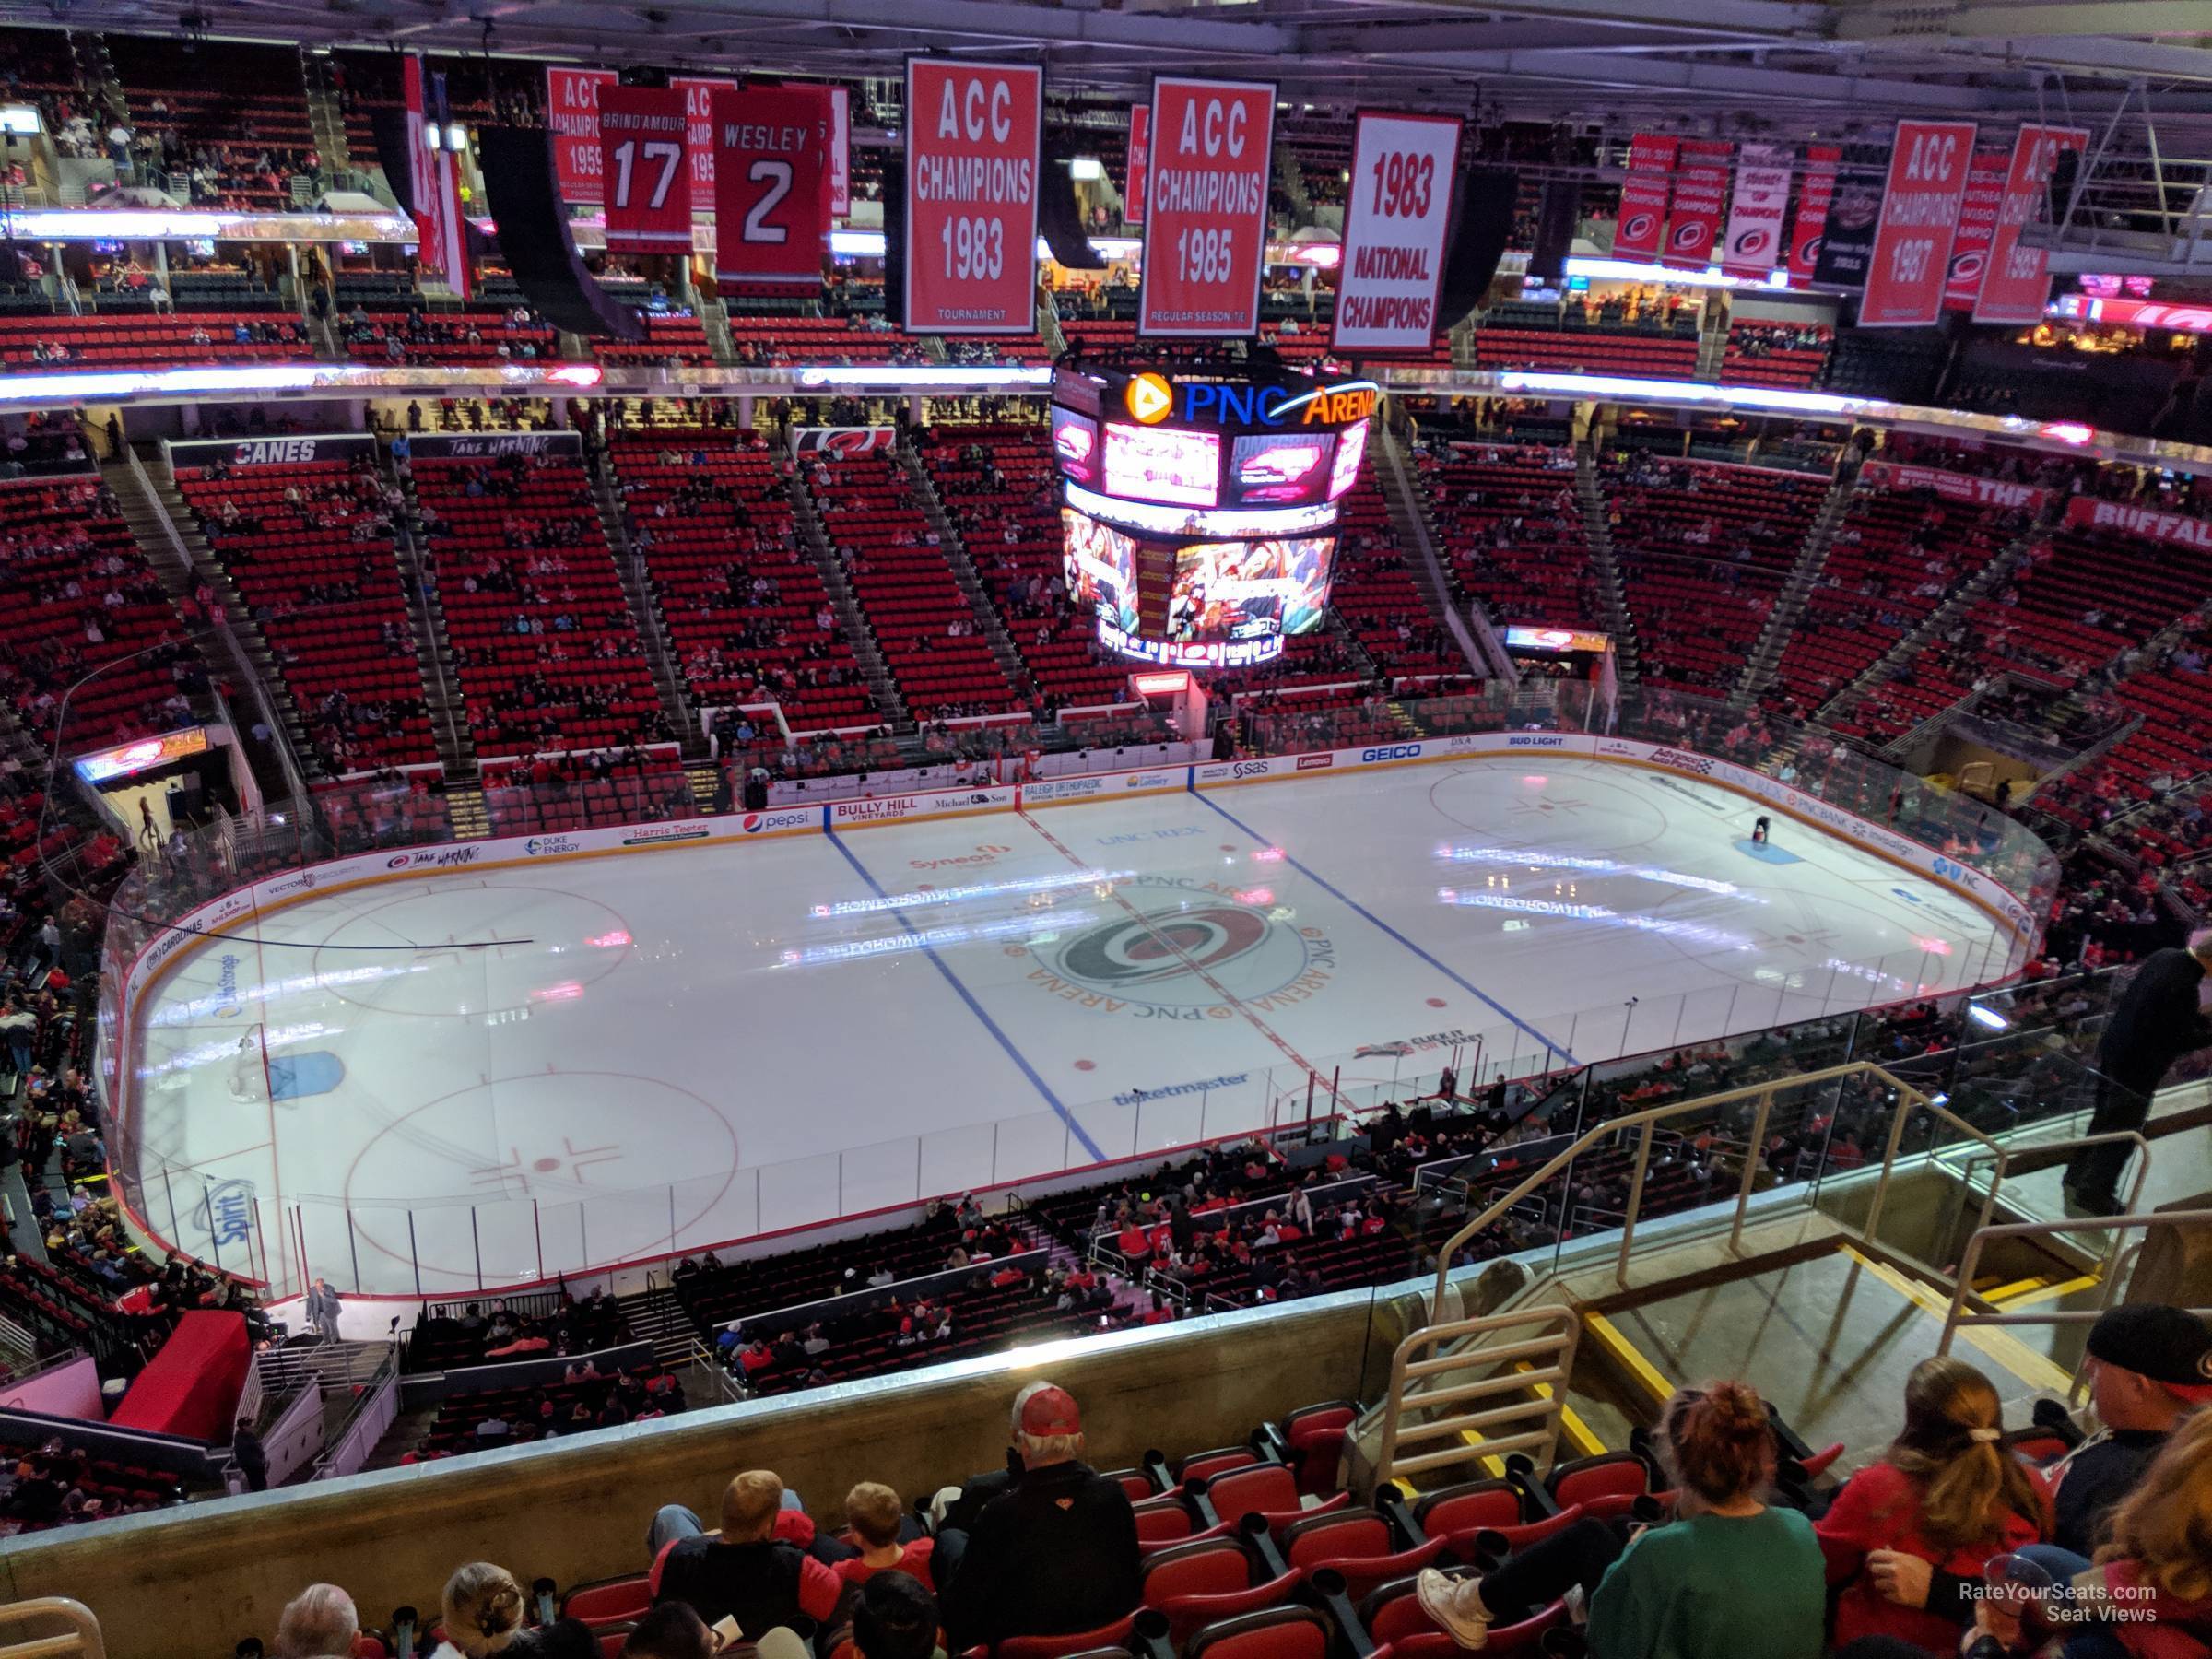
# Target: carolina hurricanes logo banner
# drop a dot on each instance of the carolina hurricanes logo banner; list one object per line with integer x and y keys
{"x": 1136, "y": 163}
{"x": 1643, "y": 198}
{"x": 1977, "y": 229}
{"x": 442, "y": 235}
{"x": 1817, "y": 189}
{"x": 1693, "y": 223}
{"x": 1756, "y": 213}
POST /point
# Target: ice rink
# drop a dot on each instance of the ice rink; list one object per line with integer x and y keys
{"x": 489, "y": 1076}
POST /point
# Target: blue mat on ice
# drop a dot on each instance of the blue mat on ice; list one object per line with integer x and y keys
{"x": 295, "y": 1077}
{"x": 1765, "y": 852}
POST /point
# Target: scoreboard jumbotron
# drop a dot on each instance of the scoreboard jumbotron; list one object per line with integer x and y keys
{"x": 1200, "y": 506}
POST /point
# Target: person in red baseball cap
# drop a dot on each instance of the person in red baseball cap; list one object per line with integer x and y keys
{"x": 1053, "y": 1554}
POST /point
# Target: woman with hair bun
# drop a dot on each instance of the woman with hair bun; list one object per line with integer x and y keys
{"x": 1728, "y": 1576}
{"x": 1947, "y": 1493}
{"x": 484, "y": 1614}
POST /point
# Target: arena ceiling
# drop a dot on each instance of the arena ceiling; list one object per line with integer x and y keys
{"x": 1740, "y": 63}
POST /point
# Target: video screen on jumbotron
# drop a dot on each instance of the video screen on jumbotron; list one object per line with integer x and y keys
{"x": 1100, "y": 566}
{"x": 1245, "y": 590}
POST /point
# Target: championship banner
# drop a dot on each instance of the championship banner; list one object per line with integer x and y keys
{"x": 699, "y": 135}
{"x": 1970, "y": 487}
{"x": 1920, "y": 213}
{"x": 643, "y": 139}
{"x": 1756, "y": 213}
{"x": 573, "y": 117}
{"x": 441, "y": 240}
{"x": 974, "y": 132}
{"x": 2018, "y": 285}
{"x": 1396, "y": 221}
{"x": 1693, "y": 222}
{"x": 771, "y": 184}
{"x": 1977, "y": 228}
{"x": 841, "y": 151}
{"x": 1814, "y": 195}
{"x": 1206, "y": 206}
{"x": 1854, "y": 208}
{"x": 1643, "y": 198}
{"x": 2176, "y": 528}
{"x": 1136, "y": 164}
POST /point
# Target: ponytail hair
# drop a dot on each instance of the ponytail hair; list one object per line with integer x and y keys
{"x": 1718, "y": 1443}
{"x": 1953, "y": 1449}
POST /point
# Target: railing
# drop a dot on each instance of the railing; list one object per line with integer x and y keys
{"x": 1528, "y": 1421}
{"x": 1961, "y": 1317}
{"x": 1907, "y": 1099}
{"x": 76, "y": 1637}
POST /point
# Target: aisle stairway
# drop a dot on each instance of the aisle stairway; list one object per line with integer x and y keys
{"x": 1789, "y": 605}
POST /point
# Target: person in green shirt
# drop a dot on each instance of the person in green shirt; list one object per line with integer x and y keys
{"x": 1729, "y": 1575}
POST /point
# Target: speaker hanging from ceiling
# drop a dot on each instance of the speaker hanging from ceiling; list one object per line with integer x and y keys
{"x": 1478, "y": 239}
{"x": 519, "y": 188}
{"x": 1557, "y": 209}
{"x": 1059, "y": 215}
{"x": 894, "y": 243}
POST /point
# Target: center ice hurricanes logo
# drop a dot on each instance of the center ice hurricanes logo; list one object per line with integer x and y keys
{"x": 1190, "y": 948}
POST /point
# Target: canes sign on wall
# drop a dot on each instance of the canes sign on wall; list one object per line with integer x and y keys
{"x": 771, "y": 184}
{"x": 1395, "y": 224}
{"x": 972, "y": 168}
{"x": 1206, "y": 206}
{"x": 642, "y": 142}
{"x": 1928, "y": 171}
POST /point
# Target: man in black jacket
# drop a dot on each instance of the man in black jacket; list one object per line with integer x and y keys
{"x": 2158, "y": 1019}
{"x": 1054, "y": 1553}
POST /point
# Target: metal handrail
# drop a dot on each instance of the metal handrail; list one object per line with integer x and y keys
{"x": 1958, "y": 1319}
{"x": 79, "y": 1640}
{"x": 2043, "y": 1149}
{"x": 1550, "y": 1356}
{"x": 1907, "y": 1096}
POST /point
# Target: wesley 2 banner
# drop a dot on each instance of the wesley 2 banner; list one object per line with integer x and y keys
{"x": 771, "y": 183}
{"x": 1395, "y": 220}
{"x": 1205, "y": 208}
{"x": 973, "y": 135}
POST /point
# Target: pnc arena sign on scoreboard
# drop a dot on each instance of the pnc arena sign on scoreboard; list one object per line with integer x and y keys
{"x": 1395, "y": 227}
{"x": 1205, "y": 208}
{"x": 974, "y": 132}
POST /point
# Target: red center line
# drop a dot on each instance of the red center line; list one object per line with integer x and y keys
{"x": 1221, "y": 989}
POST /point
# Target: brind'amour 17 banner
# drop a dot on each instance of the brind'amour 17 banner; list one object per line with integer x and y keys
{"x": 1693, "y": 220}
{"x": 2018, "y": 285}
{"x": 1920, "y": 214}
{"x": 771, "y": 183}
{"x": 642, "y": 138}
{"x": 573, "y": 117}
{"x": 1136, "y": 164}
{"x": 1814, "y": 192}
{"x": 1205, "y": 208}
{"x": 973, "y": 138}
{"x": 1977, "y": 229}
{"x": 1396, "y": 216}
{"x": 1756, "y": 212}
{"x": 1643, "y": 198}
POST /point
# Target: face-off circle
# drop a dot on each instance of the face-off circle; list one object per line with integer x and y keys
{"x": 558, "y": 943}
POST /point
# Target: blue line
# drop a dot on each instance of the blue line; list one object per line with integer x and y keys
{"x": 1344, "y": 899}
{"x": 974, "y": 1007}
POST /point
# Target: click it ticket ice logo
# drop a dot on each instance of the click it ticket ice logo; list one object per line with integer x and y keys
{"x": 1186, "y": 949}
